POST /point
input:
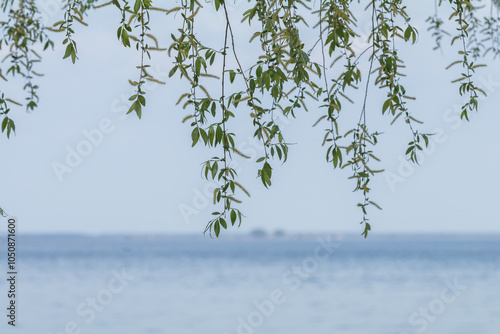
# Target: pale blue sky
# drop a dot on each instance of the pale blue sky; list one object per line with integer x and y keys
{"x": 143, "y": 176}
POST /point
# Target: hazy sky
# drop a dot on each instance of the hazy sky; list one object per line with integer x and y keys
{"x": 142, "y": 176}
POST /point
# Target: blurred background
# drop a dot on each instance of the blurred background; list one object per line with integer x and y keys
{"x": 111, "y": 240}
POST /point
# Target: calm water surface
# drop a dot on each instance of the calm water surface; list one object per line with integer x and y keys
{"x": 181, "y": 285}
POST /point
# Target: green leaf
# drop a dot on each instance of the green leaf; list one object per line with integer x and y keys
{"x": 265, "y": 179}
{"x": 233, "y": 217}
{"x": 204, "y": 136}
{"x": 218, "y": 134}
{"x": 132, "y": 108}
{"x": 195, "y": 136}
{"x": 426, "y": 139}
{"x": 267, "y": 169}
{"x": 375, "y": 204}
{"x": 280, "y": 154}
{"x": 70, "y": 51}
{"x": 367, "y": 228}
{"x": 408, "y": 32}
{"x": 217, "y": 229}
{"x": 137, "y": 6}
{"x": 4, "y": 123}
{"x": 138, "y": 109}
{"x": 142, "y": 100}
{"x": 198, "y": 65}
{"x": 211, "y": 135}
{"x": 207, "y": 168}
{"x": 172, "y": 71}
{"x": 10, "y": 127}
{"x": 223, "y": 223}
{"x": 386, "y": 105}
{"x": 215, "y": 168}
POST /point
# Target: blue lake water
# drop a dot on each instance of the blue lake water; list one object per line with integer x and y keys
{"x": 239, "y": 285}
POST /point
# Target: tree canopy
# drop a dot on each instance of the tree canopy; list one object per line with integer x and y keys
{"x": 284, "y": 79}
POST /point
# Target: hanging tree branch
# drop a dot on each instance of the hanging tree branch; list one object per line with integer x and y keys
{"x": 283, "y": 79}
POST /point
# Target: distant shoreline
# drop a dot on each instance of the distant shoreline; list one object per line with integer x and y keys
{"x": 340, "y": 237}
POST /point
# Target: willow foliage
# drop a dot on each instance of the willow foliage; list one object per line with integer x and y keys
{"x": 282, "y": 81}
